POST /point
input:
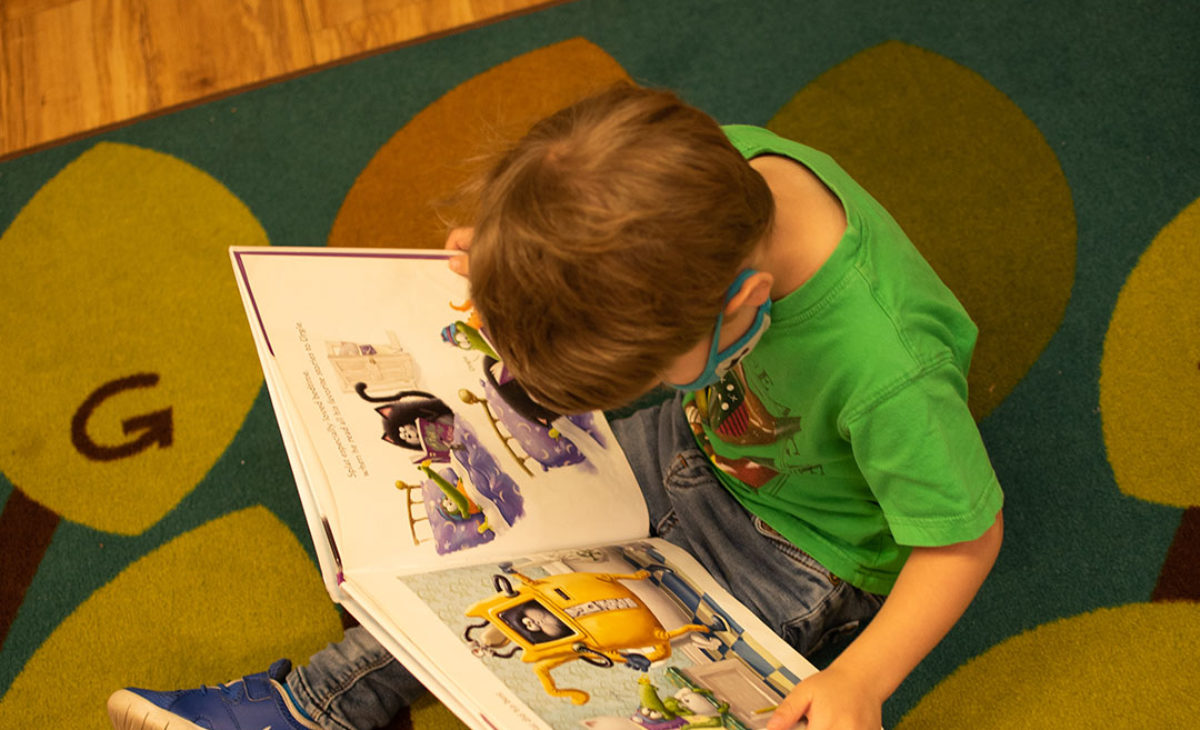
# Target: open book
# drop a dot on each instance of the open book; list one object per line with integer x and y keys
{"x": 498, "y": 551}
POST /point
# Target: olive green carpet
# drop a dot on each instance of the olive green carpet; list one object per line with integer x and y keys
{"x": 1044, "y": 156}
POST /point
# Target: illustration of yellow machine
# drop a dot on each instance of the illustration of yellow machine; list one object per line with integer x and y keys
{"x": 566, "y": 617}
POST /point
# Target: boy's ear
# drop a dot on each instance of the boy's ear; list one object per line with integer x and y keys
{"x": 754, "y": 291}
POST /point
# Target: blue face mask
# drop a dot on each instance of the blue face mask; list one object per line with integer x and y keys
{"x": 720, "y": 362}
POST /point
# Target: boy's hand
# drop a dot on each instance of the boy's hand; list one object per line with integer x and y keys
{"x": 830, "y": 700}
{"x": 459, "y": 239}
{"x": 934, "y": 588}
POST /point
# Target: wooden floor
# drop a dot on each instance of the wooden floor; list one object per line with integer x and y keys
{"x": 69, "y": 67}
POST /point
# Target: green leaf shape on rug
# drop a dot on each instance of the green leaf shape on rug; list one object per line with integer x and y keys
{"x": 971, "y": 180}
{"x": 1150, "y": 372}
{"x": 405, "y": 195}
{"x": 129, "y": 364}
{"x": 221, "y": 601}
{"x": 1089, "y": 671}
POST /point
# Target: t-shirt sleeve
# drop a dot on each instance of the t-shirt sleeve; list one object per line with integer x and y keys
{"x": 925, "y": 462}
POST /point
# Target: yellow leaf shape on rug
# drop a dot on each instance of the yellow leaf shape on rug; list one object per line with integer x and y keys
{"x": 429, "y": 714}
{"x": 972, "y": 181}
{"x": 1095, "y": 670}
{"x": 219, "y": 602}
{"x": 1150, "y": 372}
{"x": 404, "y": 197}
{"x": 125, "y": 344}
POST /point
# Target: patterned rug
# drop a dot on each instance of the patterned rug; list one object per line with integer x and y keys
{"x": 1044, "y": 156}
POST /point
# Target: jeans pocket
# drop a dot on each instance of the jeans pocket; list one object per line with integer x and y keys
{"x": 801, "y": 558}
{"x": 831, "y": 612}
{"x": 689, "y": 469}
{"x": 846, "y": 614}
{"x": 693, "y": 495}
{"x": 837, "y": 631}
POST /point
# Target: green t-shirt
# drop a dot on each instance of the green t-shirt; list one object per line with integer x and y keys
{"x": 846, "y": 429}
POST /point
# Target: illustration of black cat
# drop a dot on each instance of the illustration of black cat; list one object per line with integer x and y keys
{"x": 401, "y": 412}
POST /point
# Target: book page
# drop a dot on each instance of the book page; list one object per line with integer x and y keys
{"x": 591, "y": 637}
{"x": 411, "y": 437}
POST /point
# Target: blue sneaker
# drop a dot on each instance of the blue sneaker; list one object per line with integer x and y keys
{"x": 255, "y": 702}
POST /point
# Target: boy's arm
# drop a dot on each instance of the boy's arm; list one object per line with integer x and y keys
{"x": 933, "y": 590}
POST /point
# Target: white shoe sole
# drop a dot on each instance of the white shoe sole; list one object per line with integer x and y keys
{"x": 130, "y": 711}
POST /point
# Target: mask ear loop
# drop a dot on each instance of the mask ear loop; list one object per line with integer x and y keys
{"x": 710, "y": 365}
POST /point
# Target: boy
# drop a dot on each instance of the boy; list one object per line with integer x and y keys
{"x": 820, "y": 453}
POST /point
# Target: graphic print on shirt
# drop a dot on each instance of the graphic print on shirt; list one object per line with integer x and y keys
{"x": 736, "y": 415}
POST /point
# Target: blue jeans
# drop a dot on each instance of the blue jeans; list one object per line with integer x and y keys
{"x": 356, "y": 685}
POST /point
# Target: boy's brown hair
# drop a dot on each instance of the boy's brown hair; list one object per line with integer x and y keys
{"x": 605, "y": 240}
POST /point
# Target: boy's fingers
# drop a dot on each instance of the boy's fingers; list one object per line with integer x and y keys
{"x": 790, "y": 712}
{"x": 459, "y": 239}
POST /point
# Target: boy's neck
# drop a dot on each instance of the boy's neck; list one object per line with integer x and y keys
{"x": 809, "y": 224}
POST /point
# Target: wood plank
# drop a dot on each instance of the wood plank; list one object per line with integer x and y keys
{"x": 68, "y": 67}
{"x": 342, "y": 29}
